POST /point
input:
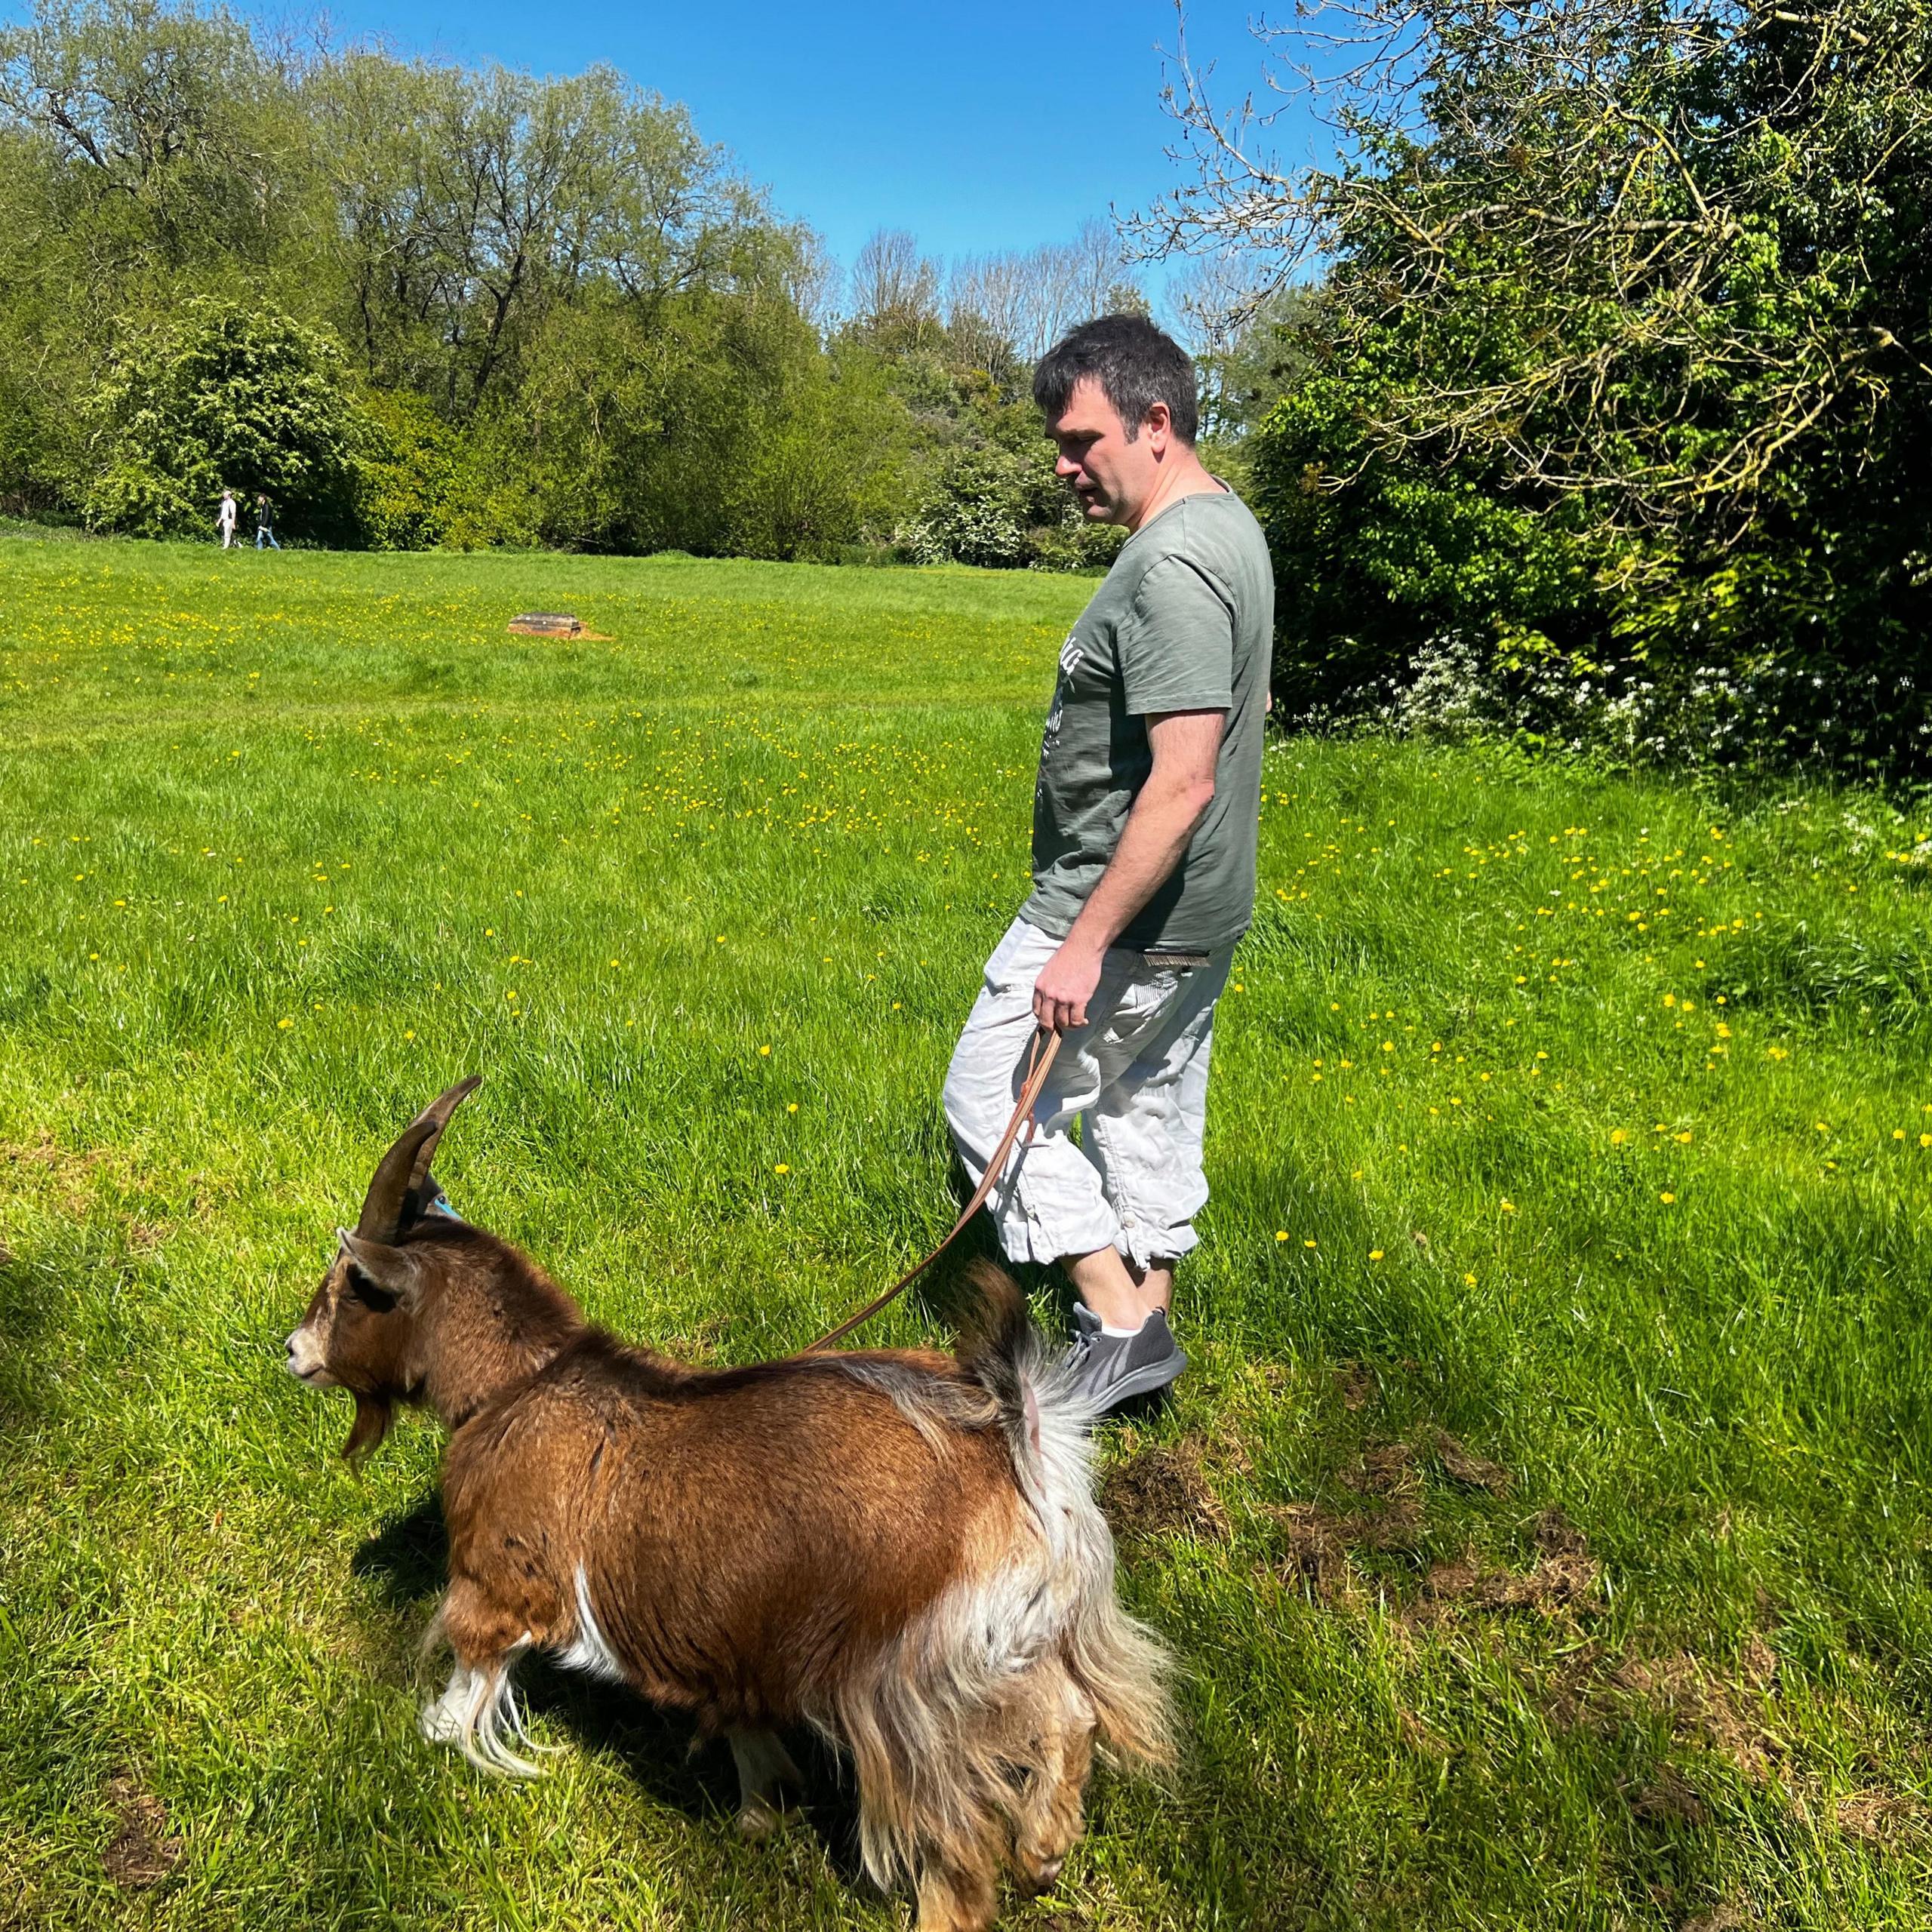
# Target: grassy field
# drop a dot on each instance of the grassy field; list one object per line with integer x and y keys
{"x": 1544, "y": 1529}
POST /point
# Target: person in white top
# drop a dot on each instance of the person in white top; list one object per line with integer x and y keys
{"x": 224, "y": 518}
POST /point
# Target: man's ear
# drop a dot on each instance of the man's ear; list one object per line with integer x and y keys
{"x": 1158, "y": 426}
{"x": 393, "y": 1272}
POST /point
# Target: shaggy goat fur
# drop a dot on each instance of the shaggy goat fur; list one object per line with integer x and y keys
{"x": 899, "y": 1547}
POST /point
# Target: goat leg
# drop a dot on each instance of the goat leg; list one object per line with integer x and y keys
{"x": 1051, "y": 1816}
{"x": 765, "y": 1772}
{"x": 958, "y": 1894}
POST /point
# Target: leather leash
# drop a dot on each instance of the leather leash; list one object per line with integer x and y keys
{"x": 1040, "y": 1059}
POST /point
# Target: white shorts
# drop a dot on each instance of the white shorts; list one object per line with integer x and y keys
{"x": 1135, "y": 1076}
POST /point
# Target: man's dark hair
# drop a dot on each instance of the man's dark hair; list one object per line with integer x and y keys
{"x": 1136, "y": 365}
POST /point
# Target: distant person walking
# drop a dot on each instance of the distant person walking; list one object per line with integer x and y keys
{"x": 224, "y": 519}
{"x": 1144, "y": 823}
{"x": 265, "y": 521}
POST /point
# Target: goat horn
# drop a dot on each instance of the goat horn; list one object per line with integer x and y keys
{"x": 398, "y": 1181}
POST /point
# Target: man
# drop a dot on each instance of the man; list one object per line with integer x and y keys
{"x": 1144, "y": 823}
{"x": 265, "y": 521}
{"x": 224, "y": 519}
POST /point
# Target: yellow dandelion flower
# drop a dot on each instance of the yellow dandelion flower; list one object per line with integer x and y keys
{"x": 1667, "y": 1199}
{"x": 1617, "y": 1136}
{"x": 1375, "y": 1254}
{"x": 781, "y": 1169}
{"x": 1280, "y": 1234}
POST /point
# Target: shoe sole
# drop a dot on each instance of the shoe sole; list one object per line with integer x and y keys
{"x": 1145, "y": 1380}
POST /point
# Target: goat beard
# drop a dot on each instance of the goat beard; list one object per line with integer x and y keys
{"x": 372, "y": 1423}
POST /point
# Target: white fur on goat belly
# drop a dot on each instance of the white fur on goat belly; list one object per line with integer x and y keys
{"x": 590, "y": 1651}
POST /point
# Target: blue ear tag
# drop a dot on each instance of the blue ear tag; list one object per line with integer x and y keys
{"x": 440, "y": 1205}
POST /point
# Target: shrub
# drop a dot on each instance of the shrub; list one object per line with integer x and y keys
{"x": 989, "y": 505}
{"x": 408, "y": 468}
{"x": 223, "y": 397}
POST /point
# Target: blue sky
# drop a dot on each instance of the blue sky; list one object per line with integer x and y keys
{"x": 994, "y": 125}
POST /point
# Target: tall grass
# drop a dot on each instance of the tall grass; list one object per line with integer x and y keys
{"x": 1543, "y": 1528}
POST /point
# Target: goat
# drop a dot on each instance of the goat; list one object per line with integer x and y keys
{"x": 899, "y": 1549}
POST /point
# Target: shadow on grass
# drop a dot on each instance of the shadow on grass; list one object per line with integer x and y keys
{"x": 407, "y": 1562}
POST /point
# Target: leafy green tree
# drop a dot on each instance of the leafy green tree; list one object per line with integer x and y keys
{"x": 1618, "y": 372}
{"x": 172, "y": 125}
{"x": 223, "y": 397}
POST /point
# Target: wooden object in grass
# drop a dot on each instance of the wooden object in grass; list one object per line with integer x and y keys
{"x": 547, "y": 623}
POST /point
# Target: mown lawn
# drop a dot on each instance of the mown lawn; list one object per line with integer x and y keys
{"x": 1544, "y": 1529}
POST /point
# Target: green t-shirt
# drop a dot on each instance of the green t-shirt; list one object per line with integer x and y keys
{"x": 1184, "y": 621}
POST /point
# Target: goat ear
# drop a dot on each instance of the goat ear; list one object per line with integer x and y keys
{"x": 398, "y": 1193}
{"x": 394, "y": 1272}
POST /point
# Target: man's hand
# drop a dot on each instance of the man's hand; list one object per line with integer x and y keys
{"x": 1066, "y": 984}
{"x": 1160, "y": 823}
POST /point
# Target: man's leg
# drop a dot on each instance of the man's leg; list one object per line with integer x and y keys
{"x": 1105, "y": 1282}
{"x": 1144, "y": 1133}
{"x": 1049, "y": 1203}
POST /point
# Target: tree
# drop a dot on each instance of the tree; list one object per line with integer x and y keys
{"x": 1619, "y": 360}
{"x": 222, "y": 397}
{"x": 895, "y": 293}
{"x": 172, "y": 124}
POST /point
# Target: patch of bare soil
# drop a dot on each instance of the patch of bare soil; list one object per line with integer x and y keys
{"x": 1316, "y": 1545}
{"x": 1386, "y": 1469}
{"x": 1462, "y": 1465}
{"x": 1701, "y": 1709}
{"x": 1667, "y": 1799}
{"x": 1882, "y": 1818}
{"x": 1162, "y": 1489}
{"x": 1564, "y": 1577}
{"x": 141, "y": 1853}
{"x": 1355, "y": 1383}
{"x": 45, "y": 1166}
{"x": 1316, "y": 1541}
{"x": 1727, "y": 1916}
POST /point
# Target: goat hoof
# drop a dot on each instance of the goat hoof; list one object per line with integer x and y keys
{"x": 757, "y": 1819}
{"x": 438, "y": 1725}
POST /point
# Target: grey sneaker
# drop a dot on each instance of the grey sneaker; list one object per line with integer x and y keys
{"x": 1109, "y": 1370}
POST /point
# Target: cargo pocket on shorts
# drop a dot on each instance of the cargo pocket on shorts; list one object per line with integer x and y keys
{"x": 1143, "y": 1003}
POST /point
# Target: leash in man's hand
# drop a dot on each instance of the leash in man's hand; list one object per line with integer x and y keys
{"x": 1040, "y": 1053}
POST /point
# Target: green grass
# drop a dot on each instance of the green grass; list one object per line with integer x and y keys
{"x": 1543, "y": 1528}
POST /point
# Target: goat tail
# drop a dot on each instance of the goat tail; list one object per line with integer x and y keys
{"x": 1123, "y": 1668}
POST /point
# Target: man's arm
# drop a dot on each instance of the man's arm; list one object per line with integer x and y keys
{"x": 1162, "y": 819}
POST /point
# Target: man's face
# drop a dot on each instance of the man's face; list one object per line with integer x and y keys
{"x": 1111, "y": 477}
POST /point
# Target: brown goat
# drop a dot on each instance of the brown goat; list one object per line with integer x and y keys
{"x": 898, "y": 1548}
